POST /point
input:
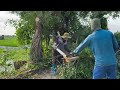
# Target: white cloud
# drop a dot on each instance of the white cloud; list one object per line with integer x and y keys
{"x": 7, "y": 15}
{"x": 7, "y": 30}
{"x": 114, "y": 24}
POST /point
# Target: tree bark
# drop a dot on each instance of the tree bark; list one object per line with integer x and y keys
{"x": 36, "y": 53}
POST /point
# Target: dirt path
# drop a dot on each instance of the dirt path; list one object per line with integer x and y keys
{"x": 37, "y": 74}
{"x": 44, "y": 75}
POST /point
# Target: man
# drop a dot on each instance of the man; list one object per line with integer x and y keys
{"x": 62, "y": 44}
{"x": 104, "y": 46}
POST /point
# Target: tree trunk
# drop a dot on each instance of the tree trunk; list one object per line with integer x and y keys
{"x": 36, "y": 53}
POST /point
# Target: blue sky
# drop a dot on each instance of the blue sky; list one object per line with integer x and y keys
{"x": 113, "y": 25}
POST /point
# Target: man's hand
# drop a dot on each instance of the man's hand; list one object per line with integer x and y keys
{"x": 72, "y": 54}
{"x": 54, "y": 46}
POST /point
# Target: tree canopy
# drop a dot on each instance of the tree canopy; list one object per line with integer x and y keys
{"x": 74, "y": 22}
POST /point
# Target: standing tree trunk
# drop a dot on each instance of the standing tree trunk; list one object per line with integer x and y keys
{"x": 36, "y": 53}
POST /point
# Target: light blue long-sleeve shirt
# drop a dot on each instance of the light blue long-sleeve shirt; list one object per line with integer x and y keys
{"x": 103, "y": 45}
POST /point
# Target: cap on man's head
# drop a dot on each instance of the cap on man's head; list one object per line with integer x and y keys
{"x": 95, "y": 24}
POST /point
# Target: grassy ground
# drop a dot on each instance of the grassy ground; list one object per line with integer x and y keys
{"x": 16, "y": 55}
{"x": 9, "y": 41}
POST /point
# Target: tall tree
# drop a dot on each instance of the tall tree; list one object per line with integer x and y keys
{"x": 36, "y": 52}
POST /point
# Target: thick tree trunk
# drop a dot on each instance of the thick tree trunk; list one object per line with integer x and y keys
{"x": 36, "y": 48}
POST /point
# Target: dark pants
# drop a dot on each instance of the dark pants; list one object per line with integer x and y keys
{"x": 58, "y": 58}
{"x": 57, "y": 61}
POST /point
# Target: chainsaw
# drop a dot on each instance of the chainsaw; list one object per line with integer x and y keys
{"x": 67, "y": 59}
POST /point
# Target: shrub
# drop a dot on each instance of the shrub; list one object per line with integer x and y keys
{"x": 81, "y": 69}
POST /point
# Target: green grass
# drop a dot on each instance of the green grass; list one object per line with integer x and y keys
{"x": 1, "y": 51}
{"x": 16, "y": 55}
{"x": 9, "y": 41}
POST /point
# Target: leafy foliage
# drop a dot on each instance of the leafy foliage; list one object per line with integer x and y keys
{"x": 82, "y": 69}
{"x": 117, "y": 35}
{"x": 70, "y": 21}
{"x": 74, "y": 22}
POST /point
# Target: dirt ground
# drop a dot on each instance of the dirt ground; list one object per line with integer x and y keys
{"x": 37, "y": 74}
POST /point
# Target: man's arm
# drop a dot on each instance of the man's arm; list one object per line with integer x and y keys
{"x": 82, "y": 45}
{"x": 115, "y": 43}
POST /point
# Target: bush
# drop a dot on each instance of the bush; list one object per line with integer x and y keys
{"x": 81, "y": 69}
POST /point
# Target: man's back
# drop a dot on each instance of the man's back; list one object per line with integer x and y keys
{"x": 104, "y": 46}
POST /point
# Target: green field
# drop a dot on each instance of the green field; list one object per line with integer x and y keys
{"x": 9, "y": 41}
{"x": 14, "y": 53}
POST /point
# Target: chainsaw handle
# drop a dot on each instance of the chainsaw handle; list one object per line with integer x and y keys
{"x": 58, "y": 33}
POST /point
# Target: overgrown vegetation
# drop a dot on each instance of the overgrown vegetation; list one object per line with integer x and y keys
{"x": 74, "y": 22}
{"x": 16, "y": 55}
{"x": 81, "y": 69}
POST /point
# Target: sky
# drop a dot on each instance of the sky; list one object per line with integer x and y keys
{"x": 7, "y": 29}
{"x": 113, "y": 25}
